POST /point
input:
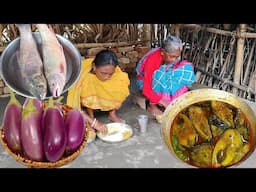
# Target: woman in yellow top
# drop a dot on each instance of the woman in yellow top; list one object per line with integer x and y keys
{"x": 102, "y": 85}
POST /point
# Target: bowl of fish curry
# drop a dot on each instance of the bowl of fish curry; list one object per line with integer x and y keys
{"x": 11, "y": 73}
{"x": 209, "y": 128}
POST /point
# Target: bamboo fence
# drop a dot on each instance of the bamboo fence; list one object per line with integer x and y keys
{"x": 223, "y": 54}
{"x": 223, "y": 59}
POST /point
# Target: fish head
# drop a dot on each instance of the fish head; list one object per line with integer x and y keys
{"x": 56, "y": 84}
{"x": 37, "y": 86}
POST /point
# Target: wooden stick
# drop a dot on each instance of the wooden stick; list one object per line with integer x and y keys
{"x": 94, "y": 45}
{"x": 147, "y": 34}
{"x": 239, "y": 58}
{"x": 219, "y": 31}
{"x": 214, "y": 64}
{"x": 252, "y": 80}
{"x": 229, "y": 56}
{"x": 220, "y": 63}
{"x": 244, "y": 88}
{"x": 209, "y": 29}
{"x": 211, "y": 59}
{"x": 1, "y": 30}
{"x": 248, "y": 66}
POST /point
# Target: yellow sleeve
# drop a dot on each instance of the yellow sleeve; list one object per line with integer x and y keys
{"x": 73, "y": 97}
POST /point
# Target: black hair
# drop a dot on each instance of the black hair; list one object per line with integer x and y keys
{"x": 105, "y": 57}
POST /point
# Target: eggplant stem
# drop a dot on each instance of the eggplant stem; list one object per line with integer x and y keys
{"x": 59, "y": 99}
{"x": 50, "y": 104}
{"x": 30, "y": 108}
{"x": 13, "y": 99}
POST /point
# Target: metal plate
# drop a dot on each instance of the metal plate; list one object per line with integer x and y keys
{"x": 10, "y": 70}
{"x": 116, "y": 132}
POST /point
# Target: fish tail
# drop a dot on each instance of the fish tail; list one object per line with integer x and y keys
{"x": 23, "y": 27}
{"x": 42, "y": 27}
{"x": 51, "y": 29}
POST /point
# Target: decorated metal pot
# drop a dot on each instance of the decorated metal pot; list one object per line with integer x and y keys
{"x": 209, "y": 128}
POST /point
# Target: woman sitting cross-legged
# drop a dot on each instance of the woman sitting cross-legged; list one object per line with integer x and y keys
{"x": 102, "y": 85}
{"x": 162, "y": 76}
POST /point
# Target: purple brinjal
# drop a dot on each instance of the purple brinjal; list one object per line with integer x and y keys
{"x": 54, "y": 133}
{"x": 12, "y": 124}
{"x": 31, "y": 130}
{"x": 75, "y": 130}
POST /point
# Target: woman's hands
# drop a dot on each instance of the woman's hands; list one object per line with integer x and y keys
{"x": 101, "y": 127}
{"x": 95, "y": 124}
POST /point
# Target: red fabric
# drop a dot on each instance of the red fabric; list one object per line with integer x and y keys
{"x": 152, "y": 63}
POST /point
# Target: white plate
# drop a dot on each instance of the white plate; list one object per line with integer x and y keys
{"x": 116, "y": 132}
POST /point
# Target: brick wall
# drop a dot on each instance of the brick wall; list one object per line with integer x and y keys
{"x": 4, "y": 90}
{"x": 127, "y": 56}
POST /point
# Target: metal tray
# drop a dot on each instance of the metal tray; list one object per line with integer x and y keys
{"x": 10, "y": 70}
